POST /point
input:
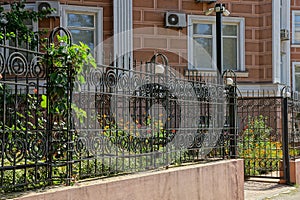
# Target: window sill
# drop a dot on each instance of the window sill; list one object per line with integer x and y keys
{"x": 295, "y": 45}
{"x": 239, "y": 74}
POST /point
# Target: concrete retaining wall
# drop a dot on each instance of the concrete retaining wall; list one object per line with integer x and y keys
{"x": 219, "y": 180}
{"x": 295, "y": 171}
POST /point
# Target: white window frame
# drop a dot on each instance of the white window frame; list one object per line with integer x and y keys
{"x": 294, "y": 65}
{"x": 240, "y": 22}
{"x": 98, "y": 12}
{"x": 294, "y": 13}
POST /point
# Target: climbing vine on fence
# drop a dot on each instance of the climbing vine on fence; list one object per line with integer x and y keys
{"x": 67, "y": 62}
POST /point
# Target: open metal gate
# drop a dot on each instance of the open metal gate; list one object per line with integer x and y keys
{"x": 260, "y": 134}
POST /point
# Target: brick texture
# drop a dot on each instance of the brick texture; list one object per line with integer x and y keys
{"x": 258, "y": 31}
{"x": 150, "y": 34}
{"x": 258, "y": 36}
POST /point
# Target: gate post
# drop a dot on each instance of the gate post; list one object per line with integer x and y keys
{"x": 232, "y": 121}
{"x": 230, "y": 82}
{"x": 60, "y": 127}
{"x": 285, "y": 137}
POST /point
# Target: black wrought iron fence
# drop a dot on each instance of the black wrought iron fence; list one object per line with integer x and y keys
{"x": 123, "y": 119}
{"x": 139, "y": 120}
{"x": 23, "y": 132}
{"x": 56, "y": 128}
{"x": 292, "y": 128}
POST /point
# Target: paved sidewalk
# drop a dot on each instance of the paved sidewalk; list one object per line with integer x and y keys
{"x": 293, "y": 195}
{"x": 255, "y": 190}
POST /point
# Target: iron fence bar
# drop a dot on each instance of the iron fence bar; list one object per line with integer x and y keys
{"x": 69, "y": 127}
{"x": 285, "y": 140}
{"x": 232, "y": 121}
{"x": 49, "y": 121}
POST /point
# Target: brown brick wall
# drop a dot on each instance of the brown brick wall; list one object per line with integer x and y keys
{"x": 150, "y": 36}
{"x": 295, "y": 4}
{"x": 258, "y": 32}
{"x": 258, "y": 36}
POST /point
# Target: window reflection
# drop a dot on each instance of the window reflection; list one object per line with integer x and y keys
{"x": 82, "y": 28}
{"x": 203, "y": 29}
{"x": 80, "y": 20}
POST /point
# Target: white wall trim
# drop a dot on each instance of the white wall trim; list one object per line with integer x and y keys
{"x": 276, "y": 41}
{"x": 246, "y": 89}
{"x": 286, "y": 45}
{"x": 123, "y": 36}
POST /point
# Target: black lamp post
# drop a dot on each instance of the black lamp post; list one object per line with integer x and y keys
{"x": 219, "y": 46}
{"x": 220, "y": 10}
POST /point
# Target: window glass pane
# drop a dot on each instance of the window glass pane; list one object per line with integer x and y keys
{"x": 80, "y": 20}
{"x": 84, "y": 36}
{"x": 297, "y": 27}
{"x": 297, "y": 82}
{"x": 297, "y": 69}
{"x": 297, "y": 37}
{"x": 230, "y": 30}
{"x": 297, "y": 18}
{"x": 203, "y": 29}
{"x": 229, "y": 53}
{"x": 202, "y": 52}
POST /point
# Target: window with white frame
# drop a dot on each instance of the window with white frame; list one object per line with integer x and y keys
{"x": 202, "y": 43}
{"x": 85, "y": 25}
{"x": 296, "y": 76}
{"x": 296, "y": 26}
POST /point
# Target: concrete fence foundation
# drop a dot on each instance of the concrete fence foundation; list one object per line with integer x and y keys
{"x": 211, "y": 181}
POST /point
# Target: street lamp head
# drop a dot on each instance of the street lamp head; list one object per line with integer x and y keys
{"x": 219, "y": 8}
{"x": 159, "y": 68}
{"x": 229, "y": 82}
{"x": 209, "y": 11}
{"x": 226, "y": 12}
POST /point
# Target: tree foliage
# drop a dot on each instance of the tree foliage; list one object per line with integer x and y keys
{"x": 13, "y": 22}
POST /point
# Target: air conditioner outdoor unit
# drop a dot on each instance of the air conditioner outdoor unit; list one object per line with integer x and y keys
{"x": 284, "y": 34}
{"x": 174, "y": 19}
{"x": 49, "y": 4}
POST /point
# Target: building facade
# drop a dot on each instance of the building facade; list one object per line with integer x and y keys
{"x": 260, "y": 37}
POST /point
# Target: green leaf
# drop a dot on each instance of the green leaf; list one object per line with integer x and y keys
{"x": 81, "y": 79}
{"x": 44, "y": 101}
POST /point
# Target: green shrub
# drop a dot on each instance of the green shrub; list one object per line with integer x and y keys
{"x": 261, "y": 152}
